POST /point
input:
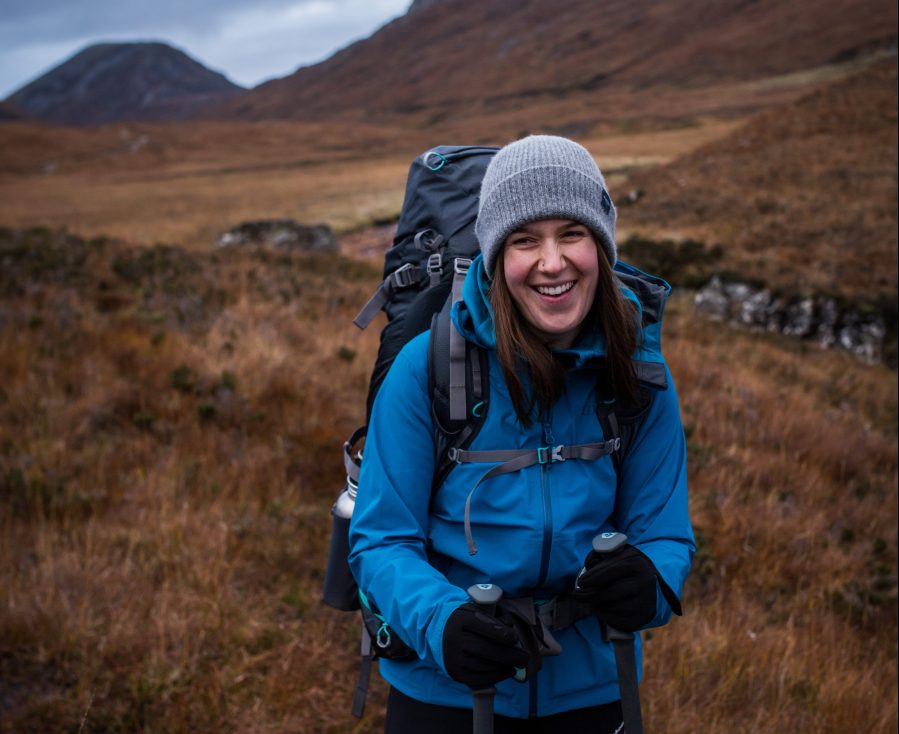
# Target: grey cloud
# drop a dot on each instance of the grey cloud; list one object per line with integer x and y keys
{"x": 248, "y": 40}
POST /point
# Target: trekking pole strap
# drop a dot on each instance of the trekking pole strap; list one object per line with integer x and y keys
{"x": 561, "y": 612}
{"x": 513, "y": 460}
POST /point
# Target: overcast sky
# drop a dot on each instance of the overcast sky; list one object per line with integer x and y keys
{"x": 247, "y": 40}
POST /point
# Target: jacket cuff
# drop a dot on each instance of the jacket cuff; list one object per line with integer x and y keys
{"x": 663, "y": 590}
{"x": 669, "y": 596}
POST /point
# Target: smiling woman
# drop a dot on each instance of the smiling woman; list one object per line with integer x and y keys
{"x": 565, "y": 337}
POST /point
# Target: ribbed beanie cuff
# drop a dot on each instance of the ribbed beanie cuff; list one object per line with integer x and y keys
{"x": 542, "y": 177}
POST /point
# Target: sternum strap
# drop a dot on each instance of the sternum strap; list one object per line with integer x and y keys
{"x": 512, "y": 460}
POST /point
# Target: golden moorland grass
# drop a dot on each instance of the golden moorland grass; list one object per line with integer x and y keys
{"x": 170, "y": 431}
{"x": 188, "y": 183}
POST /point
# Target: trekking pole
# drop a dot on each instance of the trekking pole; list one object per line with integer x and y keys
{"x": 486, "y": 596}
{"x": 623, "y": 645}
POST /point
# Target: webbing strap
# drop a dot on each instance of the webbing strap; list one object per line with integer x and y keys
{"x": 613, "y": 423}
{"x": 457, "y": 399}
{"x": 561, "y": 612}
{"x": 435, "y": 269}
{"x": 477, "y": 387}
{"x": 400, "y": 278}
{"x": 364, "y": 675}
{"x": 513, "y": 460}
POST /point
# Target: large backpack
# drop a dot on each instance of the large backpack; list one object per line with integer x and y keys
{"x": 423, "y": 274}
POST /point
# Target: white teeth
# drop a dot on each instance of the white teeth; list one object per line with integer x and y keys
{"x": 555, "y": 290}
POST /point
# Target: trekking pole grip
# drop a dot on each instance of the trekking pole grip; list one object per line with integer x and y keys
{"x": 486, "y": 596}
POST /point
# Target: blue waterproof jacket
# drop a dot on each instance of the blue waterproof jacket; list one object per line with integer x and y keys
{"x": 533, "y": 527}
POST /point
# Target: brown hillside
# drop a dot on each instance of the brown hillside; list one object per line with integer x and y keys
{"x": 803, "y": 197}
{"x": 470, "y": 59}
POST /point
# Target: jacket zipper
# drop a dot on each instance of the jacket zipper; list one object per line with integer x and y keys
{"x": 547, "y": 509}
{"x": 548, "y": 440}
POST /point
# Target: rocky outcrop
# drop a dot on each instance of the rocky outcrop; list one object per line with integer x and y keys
{"x": 282, "y": 233}
{"x": 821, "y": 319}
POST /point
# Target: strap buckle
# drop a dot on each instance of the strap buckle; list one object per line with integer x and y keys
{"x": 550, "y": 454}
{"x": 403, "y": 276}
{"x": 435, "y": 263}
{"x": 461, "y": 265}
{"x": 453, "y": 455}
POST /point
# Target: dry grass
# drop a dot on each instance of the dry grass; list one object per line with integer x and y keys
{"x": 167, "y": 470}
{"x": 170, "y": 428}
{"x": 791, "y": 622}
{"x": 188, "y": 183}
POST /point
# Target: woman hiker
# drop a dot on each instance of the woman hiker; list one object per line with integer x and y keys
{"x": 564, "y": 336}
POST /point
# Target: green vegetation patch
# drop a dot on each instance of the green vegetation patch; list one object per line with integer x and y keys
{"x": 687, "y": 263}
{"x": 39, "y": 255}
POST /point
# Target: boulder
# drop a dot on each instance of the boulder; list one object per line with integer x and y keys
{"x": 712, "y": 300}
{"x": 281, "y": 233}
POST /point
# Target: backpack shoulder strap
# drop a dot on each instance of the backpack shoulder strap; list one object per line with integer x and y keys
{"x": 459, "y": 385}
{"x": 617, "y": 421}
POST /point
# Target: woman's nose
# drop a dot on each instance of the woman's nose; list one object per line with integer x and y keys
{"x": 551, "y": 259}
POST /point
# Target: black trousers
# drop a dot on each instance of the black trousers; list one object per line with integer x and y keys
{"x": 407, "y": 716}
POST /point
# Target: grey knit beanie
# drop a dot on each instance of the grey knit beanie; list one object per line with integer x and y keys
{"x": 542, "y": 177}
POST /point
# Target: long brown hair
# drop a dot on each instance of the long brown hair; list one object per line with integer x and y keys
{"x": 522, "y": 353}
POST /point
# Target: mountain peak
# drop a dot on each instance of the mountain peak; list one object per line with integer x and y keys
{"x": 113, "y": 82}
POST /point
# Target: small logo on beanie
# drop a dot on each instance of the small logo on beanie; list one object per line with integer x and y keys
{"x": 606, "y": 202}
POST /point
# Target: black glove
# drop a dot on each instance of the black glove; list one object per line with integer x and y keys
{"x": 478, "y": 649}
{"x": 621, "y": 587}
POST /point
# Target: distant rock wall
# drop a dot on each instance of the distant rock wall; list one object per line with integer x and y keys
{"x": 821, "y": 319}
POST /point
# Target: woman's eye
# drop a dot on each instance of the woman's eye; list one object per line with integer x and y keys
{"x": 520, "y": 241}
{"x": 573, "y": 234}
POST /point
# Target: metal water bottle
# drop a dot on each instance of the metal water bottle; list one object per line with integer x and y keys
{"x": 340, "y": 589}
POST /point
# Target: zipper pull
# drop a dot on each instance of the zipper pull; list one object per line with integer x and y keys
{"x": 548, "y": 432}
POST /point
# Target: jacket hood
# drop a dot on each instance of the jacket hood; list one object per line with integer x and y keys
{"x": 473, "y": 315}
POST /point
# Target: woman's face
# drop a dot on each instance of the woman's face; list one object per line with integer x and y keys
{"x": 551, "y": 269}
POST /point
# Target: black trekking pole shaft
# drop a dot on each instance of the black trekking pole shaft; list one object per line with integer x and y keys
{"x": 623, "y": 645}
{"x": 482, "y": 710}
{"x": 626, "y": 665}
{"x": 486, "y": 596}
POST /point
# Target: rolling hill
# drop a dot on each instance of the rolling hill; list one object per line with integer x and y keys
{"x": 490, "y": 65}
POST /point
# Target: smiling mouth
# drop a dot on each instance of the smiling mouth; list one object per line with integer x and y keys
{"x": 554, "y": 290}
